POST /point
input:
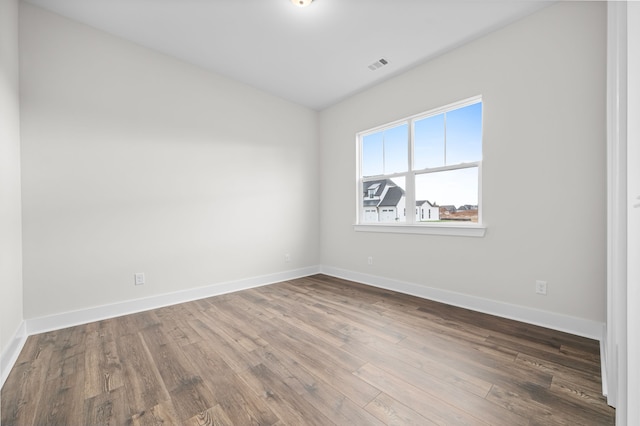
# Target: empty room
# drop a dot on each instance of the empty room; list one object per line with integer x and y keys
{"x": 317, "y": 212}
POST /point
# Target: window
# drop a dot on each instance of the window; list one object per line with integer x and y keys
{"x": 432, "y": 161}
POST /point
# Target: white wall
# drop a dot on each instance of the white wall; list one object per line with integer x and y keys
{"x": 137, "y": 162}
{"x": 614, "y": 355}
{"x": 632, "y": 394}
{"x": 543, "y": 85}
{"x": 10, "y": 220}
{"x": 622, "y": 356}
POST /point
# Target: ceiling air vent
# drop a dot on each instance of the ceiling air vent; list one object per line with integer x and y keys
{"x": 378, "y": 64}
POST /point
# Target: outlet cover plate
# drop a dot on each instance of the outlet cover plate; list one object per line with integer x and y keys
{"x": 138, "y": 278}
{"x": 541, "y": 287}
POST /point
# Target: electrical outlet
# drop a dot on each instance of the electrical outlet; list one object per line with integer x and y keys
{"x": 541, "y": 287}
{"x": 287, "y": 257}
{"x": 138, "y": 278}
{"x": 370, "y": 260}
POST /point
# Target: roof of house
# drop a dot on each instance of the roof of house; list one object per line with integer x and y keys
{"x": 392, "y": 197}
{"x": 378, "y": 185}
{"x": 422, "y": 202}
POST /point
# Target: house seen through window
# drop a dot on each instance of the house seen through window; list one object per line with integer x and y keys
{"x": 432, "y": 161}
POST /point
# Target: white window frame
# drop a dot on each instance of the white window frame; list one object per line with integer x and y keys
{"x": 411, "y": 226}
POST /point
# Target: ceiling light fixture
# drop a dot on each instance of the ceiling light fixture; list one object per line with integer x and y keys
{"x": 301, "y": 3}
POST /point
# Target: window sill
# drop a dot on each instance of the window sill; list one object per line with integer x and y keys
{"x": 440, "y": 229}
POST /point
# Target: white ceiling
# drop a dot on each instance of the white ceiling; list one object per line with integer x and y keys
{"x": 313, "y": 56}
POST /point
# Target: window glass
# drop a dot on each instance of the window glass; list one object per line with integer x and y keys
{"x": 396, "y": 149}
{"x": 386, "y": 151}
{"x": 372, "y": 155}
{"x": 464, "y": 135}
{"x": 429, "y": 142}
{"x": 384, "y": 200}
{"x": 454, "y": 191}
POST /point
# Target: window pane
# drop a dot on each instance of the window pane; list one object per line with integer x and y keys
{"x": 372, "y": 155}
{"x": 396, "y": 149}
{"x": 384, "y": 201}
{"x": 455, "y": 192}
{"x": 386, "y": 151}
{"x": 464, "y": 134}
{"x": 429, "y": 142}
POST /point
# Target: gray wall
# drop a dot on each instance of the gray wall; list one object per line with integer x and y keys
{"x": 137, "y": 162}
{"x": 543, "y": 84}
{"x": 10, "y": 215}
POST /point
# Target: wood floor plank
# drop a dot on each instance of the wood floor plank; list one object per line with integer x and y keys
{"x": 234, "y": 355}
{"x": 21, "y": 394}
{"x": 563, "y": 411}
{"x": 187, "y": 391}
{"x": 308, "y": 343}
{"x": 103, "y": 369}
{"x": 334, "y": 404}
{"x": 452, "y": 394}
{"x": 391, "y": 412}
{"x": 358, "y": 391}
{"x": 476, "y": 363}
{"x": 586, "y": 381}
{"x": 234, "y": 397}
{"x": 108, "y": 408}
{"x": 99, "y": 331}
{"x": 555, "y": 356}
{"x": 134, "y": 323}
{"x": 430, "y": 407}
{"x": 214, "y": 416}
{"x": 235, "y": 320}
{"x": 58, "y": 405}
{"x": 317, "y": 350}
{"x": 520, "y": 403}
{"x": 180, "y": 331}
{"x": 354, "y": 323}
{"x": 415, "y": 320}
{"x": 381, "y": 353}
{"x": 160, "y": 414}
{"x": 571, "y": 391}
{"x": 310, "y": 322}
{"x": 141, "y": 378}
{"x": 290, "y": 407}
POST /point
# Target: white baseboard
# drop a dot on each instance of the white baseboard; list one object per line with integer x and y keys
{"x": 578, "y": 326}
{"x": 573, "y": 325}
{"x": 10, "y": 354}
{"x": 97, "y": 313}
{"x": 603, "y": 362}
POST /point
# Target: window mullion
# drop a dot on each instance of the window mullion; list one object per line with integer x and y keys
{"x": 445, "y": 138}
{"x": 411, "y": 198}
{"x": 450, "y": 167}
{"x": 384, "y": 164}
{"x": 410, "y": 180}
{"x": 480, "y": 192}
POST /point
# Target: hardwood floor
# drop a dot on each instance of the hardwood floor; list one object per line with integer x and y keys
{"x": 312, "y": 351}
